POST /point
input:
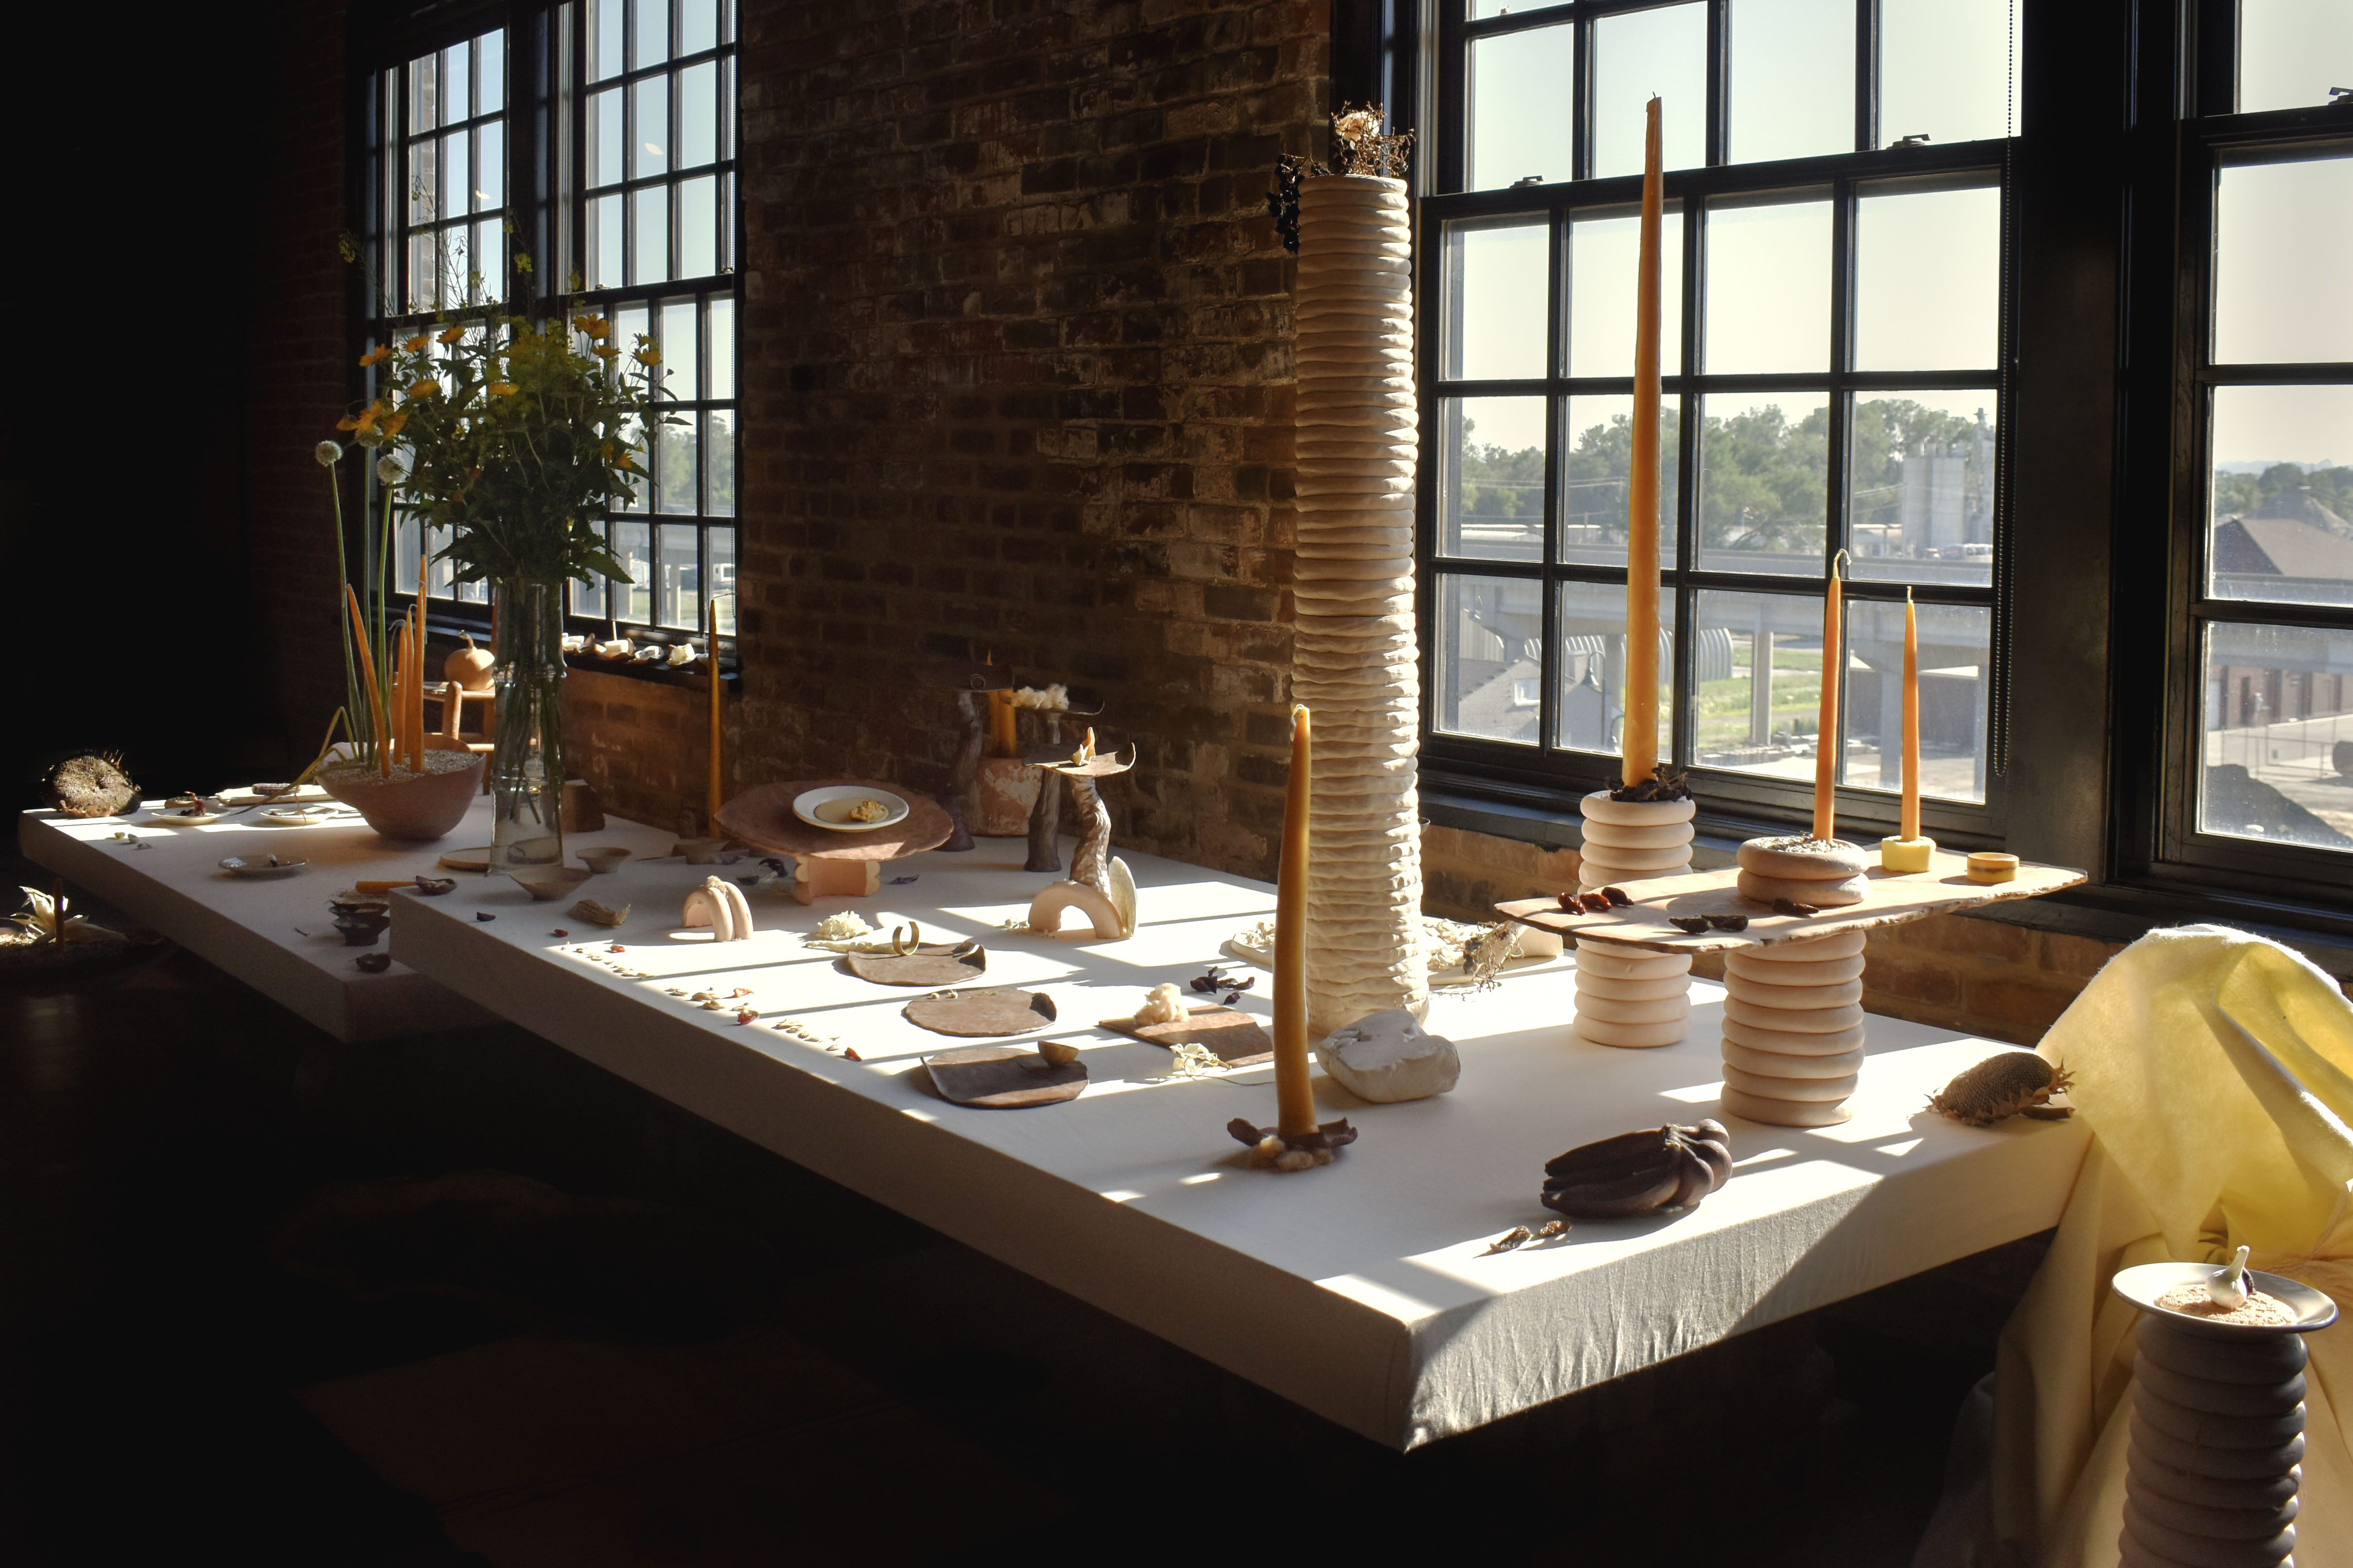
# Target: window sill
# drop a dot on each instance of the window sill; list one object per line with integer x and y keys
{"x": 690, "y": 677}
{"x": 2102, "y": 912}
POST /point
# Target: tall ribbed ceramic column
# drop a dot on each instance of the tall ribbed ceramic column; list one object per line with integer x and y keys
{"x": 1355, "y": 659}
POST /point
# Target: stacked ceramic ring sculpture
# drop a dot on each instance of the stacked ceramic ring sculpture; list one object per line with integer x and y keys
{"x": 1793, "y": 1030}
{"x": 1626, "y": 996}
{"x": 2217, "y": 1425}
{"x": 1353, "y": 658}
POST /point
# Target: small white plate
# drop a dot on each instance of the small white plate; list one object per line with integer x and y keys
{"x": 299, "y": 816}
{"x": 184, "y": 819}
{"x": 264, "y": 866}
{"x": 829, "y": 807}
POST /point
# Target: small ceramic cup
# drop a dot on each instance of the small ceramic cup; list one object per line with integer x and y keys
{"x": 600, "y": 861}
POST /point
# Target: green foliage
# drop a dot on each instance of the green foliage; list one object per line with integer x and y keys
{"x": 512, "y": 434}
{"x": 2236, "y": 495}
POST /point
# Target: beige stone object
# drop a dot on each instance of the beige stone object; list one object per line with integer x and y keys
{"x": 1793, "y": 1030}
{"x": 1625, "y": 997}
{"x": 1003, "y": 793}
{"x": 720, "y": 905}
{"x": 1355, "y": 658}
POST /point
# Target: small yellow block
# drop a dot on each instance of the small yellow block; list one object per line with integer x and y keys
{"x": 1992, "y": 866}
{"x": 1906, "y": 854}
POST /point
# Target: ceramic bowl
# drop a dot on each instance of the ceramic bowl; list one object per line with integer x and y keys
{"x": 699, "y": 851}
{"x": 546, "y": 882}
{"x": 830, "y": 807}
{"x": 261, "y": 867}
{"x": 600, "y": 861}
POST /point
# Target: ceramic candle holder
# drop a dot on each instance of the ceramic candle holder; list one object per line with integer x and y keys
{"x": 2217, "y": 1422}
{"x": 1625, "y": 996}
{"x": 1793, "y": 1030}
{"x": 1906, "y": 856}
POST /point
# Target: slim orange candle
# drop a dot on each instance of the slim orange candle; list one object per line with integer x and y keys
{"x": 416, "y": 668}
{"x": 713, "y": 800}
{"x": 1294, "y": 1097}
{"x": 376, "y": 693}
{"x": 1908, "y": 821}
{"x": 1827, "y": 725}
{"x": 1639, "y": 740}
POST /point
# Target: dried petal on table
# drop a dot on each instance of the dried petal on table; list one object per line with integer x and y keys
{"x": 1692, "y": 923}
{"x": 1791, "y": 907}
{"x": 1511, "y": 1239}
{"x": 1617, "y": 896}
{"x": 373, "y": 962}
{"x": 484, "y": 915}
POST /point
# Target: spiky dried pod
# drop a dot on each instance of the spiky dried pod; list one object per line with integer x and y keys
{"x": 91, "y": 785}
{"x": 2001, "y": 1086}
{"x": 1637, "y": 1173}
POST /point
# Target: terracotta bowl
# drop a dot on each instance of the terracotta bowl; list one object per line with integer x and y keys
{"x": 412, "y": 808}
{"x": 600, "y": 861}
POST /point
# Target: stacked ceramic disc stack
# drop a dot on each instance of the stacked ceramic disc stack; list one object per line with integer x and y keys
{"x": 1626, "y": 996}
{"x": 1793, "y": 1011}
{"x": 1353, "y": 648}
{"x": 2218, "y": 1420}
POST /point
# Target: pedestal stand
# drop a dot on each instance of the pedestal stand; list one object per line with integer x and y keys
{"x": 1624, "y": 998}
{"x": 1793, "y": 1030}
{"x": 967, "y": 682}
{"x": 2217, "y": 1424}
{"x": 829, "y": 863}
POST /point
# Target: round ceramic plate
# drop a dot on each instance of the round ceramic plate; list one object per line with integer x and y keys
{"x": 830, "y": 807}
{"x": 299, "y": 816}
{"x": 261, "y": 866}
{"x": 182, "y": 818}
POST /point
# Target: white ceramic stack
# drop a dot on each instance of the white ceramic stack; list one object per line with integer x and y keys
{"x": 1793, "y": 1030}
{"x": 1626, "y": 996}
{"x": 1355, "y": 659}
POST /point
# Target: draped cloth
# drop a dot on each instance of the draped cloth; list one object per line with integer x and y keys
{"x": 2216, "y": 1072}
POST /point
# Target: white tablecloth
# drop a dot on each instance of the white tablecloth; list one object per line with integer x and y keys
{"x": 1357, "y": 1290}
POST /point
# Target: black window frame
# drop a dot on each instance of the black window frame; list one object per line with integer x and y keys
{"x": 2164, "y": 602}
{"x": 1549, "y": 779}
{"x": 546, "y": 212}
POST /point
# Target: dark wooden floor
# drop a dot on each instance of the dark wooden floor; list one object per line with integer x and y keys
{"x": 268, "y": 1299}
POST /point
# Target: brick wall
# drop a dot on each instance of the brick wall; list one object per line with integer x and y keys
{"x": 646, "y": 747}
{"x": 1018, "y": 381}
{"x": 1990, "y": 978}
{"x": 297, "y": 363}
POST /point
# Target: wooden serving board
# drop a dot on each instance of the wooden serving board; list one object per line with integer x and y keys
{"x": 934, "y": 965}
{"x": 973, "y": 1012}
{"x": 1892, "y": 898}
{"x": 1004, "y": 1078}
{"x": 1234, "y": 1037}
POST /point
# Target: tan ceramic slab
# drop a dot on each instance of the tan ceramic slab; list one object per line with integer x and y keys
{"x": 1892, "y": 899}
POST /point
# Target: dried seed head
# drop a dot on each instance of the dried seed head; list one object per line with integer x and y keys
{"x": 2001, "y": 1086}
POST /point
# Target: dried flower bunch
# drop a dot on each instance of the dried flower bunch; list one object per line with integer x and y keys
{"x": 1358, "y": 147}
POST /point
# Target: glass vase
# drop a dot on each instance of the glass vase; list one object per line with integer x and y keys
{"x": 527, "y": 758}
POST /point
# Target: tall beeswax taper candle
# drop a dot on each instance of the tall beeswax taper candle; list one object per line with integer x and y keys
{"x": 1294, "y": 1097}
{"x": 1639, "y": 741}
{"x": 1908, "y": 820}
{"x": 712, "y": 799}
{"x": 1826, "y": 728}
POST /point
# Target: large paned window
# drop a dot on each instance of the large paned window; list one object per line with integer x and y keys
{"x": 2260, "y": 765}
{"x": 656, "y": 148}
{"x": 629, "y": 185}
{"x": 1834, "y": 381}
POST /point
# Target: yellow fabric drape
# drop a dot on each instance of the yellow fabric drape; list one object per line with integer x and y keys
{"x": 2216, "y": 1071}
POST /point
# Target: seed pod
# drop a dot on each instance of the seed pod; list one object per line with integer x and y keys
{"x": 1639, "y": 1173}
{"x": 2003, "y": 1085}
{"x": 1617, "y": 898}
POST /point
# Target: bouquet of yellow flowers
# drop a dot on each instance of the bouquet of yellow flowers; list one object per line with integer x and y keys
{"x": 511, "y": 435}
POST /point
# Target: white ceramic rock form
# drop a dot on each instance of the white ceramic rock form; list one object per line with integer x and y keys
{"x": 1355, "y": 661}
{"x": 1793, "y": 1030}
{"x": 1626, "y": 996}
{"x": 1389, "y": 1056}
{"x": 720, "y": 905}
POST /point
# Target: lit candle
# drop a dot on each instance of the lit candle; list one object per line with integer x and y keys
{"x": 1908, "y": 824}
{"x": 1639, "y": 740}
{"x": 712, "y": 799}
{"x": 1826, "y": 727}
{"x": 1294, "y": 1097}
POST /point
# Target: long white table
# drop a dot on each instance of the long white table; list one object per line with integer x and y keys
{"x": 1358, "y": 1289}
{"x": 276, "y": 934}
